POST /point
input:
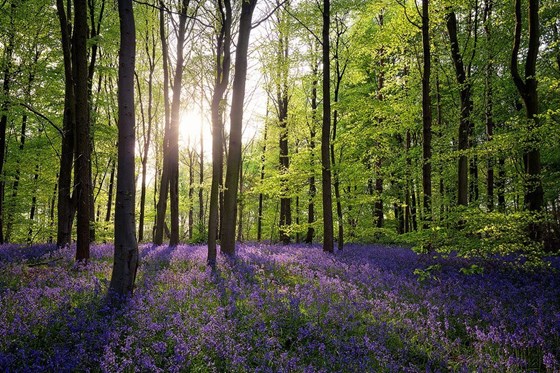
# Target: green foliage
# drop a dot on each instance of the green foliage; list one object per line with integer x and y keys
{"x": 427, "y": 274}
{"x": 472, "y": 233}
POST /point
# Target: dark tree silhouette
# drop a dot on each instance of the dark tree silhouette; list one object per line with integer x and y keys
{"x": 126, "y": 247}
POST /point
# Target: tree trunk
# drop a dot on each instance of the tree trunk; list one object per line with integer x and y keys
{"x": 236, "y": 118}
{"x": 95, "y": 27}
{"x": 328, "y": 239}
{"x": 8, "y": 53}
{"x": 312, "y": 133}
{"x": 413, "y": 214}
{"x": 527, "y": 89}
{"x": 241, "y": 205}
{"x": 83, "y": 161}
{"x": 191, "y": 193}
{"x": 465, "y": 125}
{"x": 282, "y": 102}
{"x": 66, "y": 204}
{"x": 223, "y": 61}
{"x": 173, "y": 149}
{"x": 285, "y": 202}
{"x": 33, "y": 206}
{"x": 440, "y": 129}
{"x": 340, "y": 242}
{"x": 410, "y": 215}
{"x": 340, "y": 69}
{"x": 126, "y": 246}
{"x": 147, "y": 132}
{"x": 426, "y": 116}
{"x": 110, "y": 191}
{"x": 164, "y": 185}
{"x": 52, "y": 205}
{"x": 489, "y": 117}
{"x": 378, "y": 204}
{"x": 261, "y": 196}
{"x": 201, "y": 224}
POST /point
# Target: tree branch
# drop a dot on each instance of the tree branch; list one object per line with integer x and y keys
{"x": 278, "y": 5}
{"x": 403, "y": 5}
{"x": 304, "y": 25}
{"x": 166, "y": 9}
{"x": 34, "y": 111}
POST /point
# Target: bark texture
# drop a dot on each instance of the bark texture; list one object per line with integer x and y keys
{"x": 236, "y": 118}
{"x": 126, "y": 246}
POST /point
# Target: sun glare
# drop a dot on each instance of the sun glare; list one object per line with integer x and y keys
{"x": 191, "y": 125}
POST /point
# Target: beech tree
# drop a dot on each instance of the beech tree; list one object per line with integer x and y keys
{"x": 170, "y": 175}
{"x": 126, "y": 248}
{"x": 223, "y": 60}
{"x": 236, "y": 125}
{"x": 5, "y": 106}
{"x": 426, "y": 112}
{"x": 528, "y": 91}
{"x": 328, "y": 239}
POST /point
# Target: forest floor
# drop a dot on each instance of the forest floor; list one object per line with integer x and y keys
{"x": 277, "y": 309}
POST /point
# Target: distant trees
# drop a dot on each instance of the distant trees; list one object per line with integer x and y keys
{"x": 170, "y": 173}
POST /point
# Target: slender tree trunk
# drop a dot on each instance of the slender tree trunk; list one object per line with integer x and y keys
{"x": 236, "y": 118}
{"x": 83, "y": 160}
{"x": 110, "y": 192}
{"x": 191, "y": 193}
{"x": 328, "y": 239}
{"x": 94, "y": 30}
{"x": 534, "y": 195}
{"x": 241, "y": 204}
{"x": 440, "y": 129}
{"x": 261, "y": 196}
{"x": 340, "y": 69}
{"x": 426, "y": 116}
{"x": 312, "y": 133}
{"x": 126, "y": 247}
{"x": 489, "y": 127}
{"x": 336, "y": 184}
{"x": 282, "y": 102}
{"x": 33, "y": 206}
{"x": 66, "y": 202}
{"x": 410, "y": 215}
{"x": 51, "y": 211}
{"x": 164, "y": 185}
{"x": 4, "y": 108}
{"x": 173, "y": 163}
{"x": 285, "y": 201}
{"x": 465, "y": 125}
{"x": 201, "y": 224}
{"x": 378, "y": 215}
{"x": 223, "y": 61}
{"x": 147, "y": 132}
